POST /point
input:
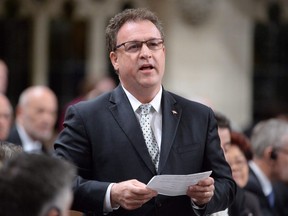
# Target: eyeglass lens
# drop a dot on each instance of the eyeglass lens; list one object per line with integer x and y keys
{"x": 135, "y": 46}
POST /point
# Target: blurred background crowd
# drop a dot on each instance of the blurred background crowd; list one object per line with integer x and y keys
{"x": 232, "y": 53}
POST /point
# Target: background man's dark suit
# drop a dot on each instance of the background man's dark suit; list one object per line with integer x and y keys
{"x": 254, "y": 186}
{"x": 104, "y": 139}
{"x": 14, "y": 136}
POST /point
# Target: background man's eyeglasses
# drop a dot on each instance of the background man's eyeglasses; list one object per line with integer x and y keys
{"x": 135, "y": 46}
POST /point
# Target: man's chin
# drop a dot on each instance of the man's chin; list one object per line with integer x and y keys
{"x": 44, "y": 137}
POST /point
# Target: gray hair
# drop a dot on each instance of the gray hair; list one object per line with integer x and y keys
{"x": 8, "y": 150}
{"x": 128, "y": 15}
{"x": 268, "y": 133}
{"x": 31, "y": 91}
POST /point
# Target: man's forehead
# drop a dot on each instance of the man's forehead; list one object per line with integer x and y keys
{"x": 131, "y": 29}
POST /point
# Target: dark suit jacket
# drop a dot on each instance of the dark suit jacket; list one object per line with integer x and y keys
{"x": 252, "y": 203}
{"x": 281, "y": 191}
{"x": 245, "y": 204}
{"x": 254, "y": 187}
{"x": 14, "y": 136}
{"x": 104, "y": 140}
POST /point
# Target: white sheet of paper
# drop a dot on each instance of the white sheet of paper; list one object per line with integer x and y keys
{"x": 175, "y": 185}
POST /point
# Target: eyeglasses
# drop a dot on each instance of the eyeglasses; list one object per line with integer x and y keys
{"x": 136, "y": 46}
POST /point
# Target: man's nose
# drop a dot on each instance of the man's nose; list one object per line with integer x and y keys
{"x": 145, "y": 51}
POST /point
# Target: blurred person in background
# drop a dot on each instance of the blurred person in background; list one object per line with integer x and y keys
{"x": 3, "y": 77}
{"x": 269, "y": 143}
{"x": 36, "y": 115}
{"x": 8, "y": 150}
{"x": 237, "y": 156}
{"x": 104, "y": 84}
{"x": 6, "y": 116}
{"x": 282, "y": 186}
{"x": 224, "y": 130}
{"x": 36, "y": 185}
{"x": 239, "y": 206}
{"x": 89, "y": 90}
{"x": 241, "y": 140}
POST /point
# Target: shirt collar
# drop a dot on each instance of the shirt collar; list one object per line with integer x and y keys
{"x": 27, "y": 142}
{"x": 156, "y": 102}
{"x": 264, "y": 181}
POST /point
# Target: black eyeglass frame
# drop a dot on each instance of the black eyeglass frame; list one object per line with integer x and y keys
{"x": 139, "y": 44}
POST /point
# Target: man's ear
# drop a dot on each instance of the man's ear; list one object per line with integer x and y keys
{"x": 270, "y": 154}
{"x": 274, "y": 154}
{"x": 114, "y": 60}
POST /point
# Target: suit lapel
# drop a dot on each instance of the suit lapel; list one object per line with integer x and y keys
{"x": 171, "y": 114}
{"x": 123, "y": 113}
{"x": 255, "y": 183}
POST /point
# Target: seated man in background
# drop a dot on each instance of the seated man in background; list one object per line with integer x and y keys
{"x": 224, "y": 130}
{"x": 36, "y": 185}
{"x": 269, "y": 142}
{"x": 36, "y": 115}
{"x": 6, "y": 112}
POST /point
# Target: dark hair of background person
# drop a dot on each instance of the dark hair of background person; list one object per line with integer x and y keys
{"x": 222, "y": 120}
{"x": 30, "y": 183}
{"x": 242, "y": 141}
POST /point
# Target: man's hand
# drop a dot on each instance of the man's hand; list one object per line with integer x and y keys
{"x": 131, "y": 194}
{"x": 202, "y": 192}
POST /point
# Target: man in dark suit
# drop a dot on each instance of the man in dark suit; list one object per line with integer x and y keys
{"x": 103, "y": 137}
{"x": 36, "y": 114}
{"x": 270, "y": 147}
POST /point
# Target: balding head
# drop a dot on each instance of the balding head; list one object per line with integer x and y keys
{"x": 37, "y": 112}
{"x": 3, "y": 77}
{"x": 5, "y": 116}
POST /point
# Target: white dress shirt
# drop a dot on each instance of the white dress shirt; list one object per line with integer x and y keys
{"x": 264, "y": 181}
{"x": 28, "y": 144}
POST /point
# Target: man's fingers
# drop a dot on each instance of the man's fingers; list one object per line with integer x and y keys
{"x": 131, "y": 194}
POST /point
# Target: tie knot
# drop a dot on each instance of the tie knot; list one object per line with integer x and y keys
{"x": 145, "y": 109}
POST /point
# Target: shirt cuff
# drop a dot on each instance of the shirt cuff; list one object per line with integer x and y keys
{"x": 107, "y": 202}
{"x": 198, "y": 210}
{"x": 195, "y": 206}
